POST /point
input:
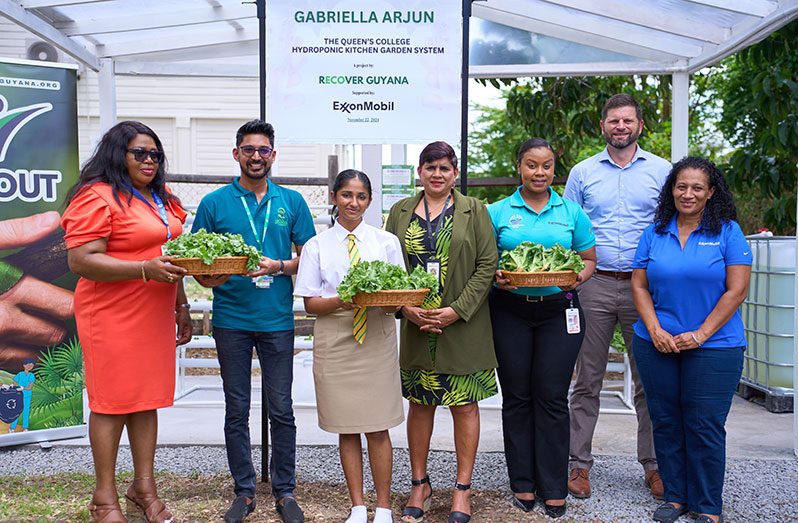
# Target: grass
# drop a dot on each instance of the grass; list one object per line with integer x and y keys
{"x": 65, "y": 497}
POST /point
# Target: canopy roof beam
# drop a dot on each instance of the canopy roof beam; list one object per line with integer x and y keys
{"x": 592, "y": 27}
{"x": 45, "y": 31}
{"x": 571, "y": 35}
{"x": 35, "y": 4}
{"x": 154, "y": 20}
{"x": 178, "y": 41}
{"x": 648, "y": 17}
{"x": 747, "y": 7}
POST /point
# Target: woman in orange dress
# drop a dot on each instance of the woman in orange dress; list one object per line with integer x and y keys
{"x": 127, "y": 302}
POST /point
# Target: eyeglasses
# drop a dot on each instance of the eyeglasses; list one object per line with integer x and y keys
{"x": 249, "y": 150}
{"x": 141, "y": 154}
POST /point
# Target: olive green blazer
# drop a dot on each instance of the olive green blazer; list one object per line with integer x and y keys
{"x": 465, "y": 346}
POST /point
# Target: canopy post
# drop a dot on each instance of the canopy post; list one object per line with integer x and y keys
{"x": 680, "y": 116}
{"x": 107, "y": 87}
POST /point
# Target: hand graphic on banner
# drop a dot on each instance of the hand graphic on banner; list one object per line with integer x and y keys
{"x": 32, "y": 312}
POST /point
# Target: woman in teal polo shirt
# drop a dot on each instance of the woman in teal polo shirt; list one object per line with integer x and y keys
{"x": 536, "y": 353}
{"x": 691, "y": 273}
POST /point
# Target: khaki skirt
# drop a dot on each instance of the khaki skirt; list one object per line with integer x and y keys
{"x": 357, "y": 386}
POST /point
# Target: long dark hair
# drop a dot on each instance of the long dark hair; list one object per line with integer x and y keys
{"x": 341, "y": 179}
{"x": 109, "y": 164}
{"x": 719, "y": 209}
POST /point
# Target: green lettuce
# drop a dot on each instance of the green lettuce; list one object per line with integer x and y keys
{"x": 373, "y": 276}
{"x": 208, "y": 246}
{"x": 533, "y": 257}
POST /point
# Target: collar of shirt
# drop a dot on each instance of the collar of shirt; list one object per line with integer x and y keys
{"x": 640, "y": 154}
{"x": 341, "y": 232}
{"x": 516, "y": 200}
{"x": 272, "y": 190}
{"x": 673, "y": 229}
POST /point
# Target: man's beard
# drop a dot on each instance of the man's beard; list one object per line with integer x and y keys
{"x": 621, "y": 143}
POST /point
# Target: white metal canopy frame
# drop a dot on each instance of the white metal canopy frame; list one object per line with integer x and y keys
{"x": 509, "y": 38}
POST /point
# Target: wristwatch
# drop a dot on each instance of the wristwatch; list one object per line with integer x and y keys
{"x": 282, "y": 268}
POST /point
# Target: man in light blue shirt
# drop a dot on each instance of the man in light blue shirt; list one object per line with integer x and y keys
{"x": 618, "y": 189}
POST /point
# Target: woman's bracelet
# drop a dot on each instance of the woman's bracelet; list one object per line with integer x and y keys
{"x": 143, "y": 273}
{"x": 695, "y": 339}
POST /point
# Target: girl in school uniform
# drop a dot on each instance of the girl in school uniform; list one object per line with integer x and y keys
{"x": 355, "y": 358}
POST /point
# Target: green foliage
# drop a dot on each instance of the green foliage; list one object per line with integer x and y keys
{"x": 758, "y": 88}
{"x": 373, "y": 276}
{"x": 533, "y": 257}
{"x": 617, "y": 341}
{"x": 209, "y": 245}
{"x": 57, "y": 397}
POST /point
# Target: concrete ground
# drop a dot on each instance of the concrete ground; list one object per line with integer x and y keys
{"x": 198, "y": 418}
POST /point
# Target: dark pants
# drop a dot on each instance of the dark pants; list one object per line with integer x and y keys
{"x": 536, "y": 359}
{"x": 689, "y": 396}
{"x": 276, "y": 354}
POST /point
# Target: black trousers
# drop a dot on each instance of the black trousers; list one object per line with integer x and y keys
{"x": 536, "y": 360}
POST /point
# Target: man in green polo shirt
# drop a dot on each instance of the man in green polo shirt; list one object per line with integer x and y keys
{"x": 256, "y": 310}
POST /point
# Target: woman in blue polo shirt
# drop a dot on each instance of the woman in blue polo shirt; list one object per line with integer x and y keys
{"x": 536, "y": 354}
{"x": 691, "y": 273}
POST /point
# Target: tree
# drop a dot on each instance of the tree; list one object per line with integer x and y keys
{"x": 759, "y": 95}
{"x": 566, "y": 112}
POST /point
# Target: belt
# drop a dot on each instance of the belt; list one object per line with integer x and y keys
{"x": 615, "y": 274}
{"x": 536, "y": 299}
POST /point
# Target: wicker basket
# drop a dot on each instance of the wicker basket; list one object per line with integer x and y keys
{"x": 411, "y": 297}
{"x": 541, "y": 279}
{"x": 221, "y": 265}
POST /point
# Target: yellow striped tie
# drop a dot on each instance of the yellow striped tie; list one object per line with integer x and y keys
{"x": 359, "y": 322}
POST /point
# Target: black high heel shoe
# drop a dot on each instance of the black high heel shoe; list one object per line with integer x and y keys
{"x": 416, "y": 514}
{"x": 457, "y": 516}
{"x": 554, "y": 511}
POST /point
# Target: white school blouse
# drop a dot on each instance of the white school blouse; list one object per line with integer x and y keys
{"x": 325, "y": 257}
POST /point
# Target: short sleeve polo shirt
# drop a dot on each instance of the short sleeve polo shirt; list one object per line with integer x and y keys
{"x": 560, "y": 221}
{"x": 686, "y": 284}
{"x": 238, "y": 304}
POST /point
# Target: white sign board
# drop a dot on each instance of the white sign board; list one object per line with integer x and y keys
{"x": 364, "y": 71}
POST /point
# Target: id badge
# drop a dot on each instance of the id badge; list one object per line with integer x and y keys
{"x": 572, "y": 325}
{"x": 434, "y": 268}
{"x": 263, "y": 282}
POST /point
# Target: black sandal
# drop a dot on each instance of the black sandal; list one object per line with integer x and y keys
{"x": 416, "y": 514}
{"x": 457, "y": 516}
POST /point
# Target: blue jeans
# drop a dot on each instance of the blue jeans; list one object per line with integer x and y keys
{"x": 276, "y": 355}
{"x": 689, "y": 396}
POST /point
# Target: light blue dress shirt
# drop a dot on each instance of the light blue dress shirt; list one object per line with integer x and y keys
{"x": 619, "y": 201}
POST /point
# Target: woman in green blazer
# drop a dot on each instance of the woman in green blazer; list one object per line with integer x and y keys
{"x": 446, "y": 355}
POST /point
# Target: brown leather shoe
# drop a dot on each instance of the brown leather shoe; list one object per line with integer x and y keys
{"x": 579, "y": 483}
{"x": 654, "y": 483}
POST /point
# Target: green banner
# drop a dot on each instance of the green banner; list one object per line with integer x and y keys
{"x": 41, "y": 369}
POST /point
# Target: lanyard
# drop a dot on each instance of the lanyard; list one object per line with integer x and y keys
{"x": 262, "y": 239}
{"x": 159, "y": 207}
{"x": 432, "y": 236}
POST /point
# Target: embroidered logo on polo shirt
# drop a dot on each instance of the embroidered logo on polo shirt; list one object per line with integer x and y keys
{"x": 281, "y": 219}
{"x": 559, "y": 223}
{"x": 516, "y": 221}
{"x": 708, "y": 244}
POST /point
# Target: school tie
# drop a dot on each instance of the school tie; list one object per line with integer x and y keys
{"x": 359, "y": 322}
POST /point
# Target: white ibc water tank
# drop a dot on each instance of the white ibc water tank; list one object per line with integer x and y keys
{"x": 768, "y": 315}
